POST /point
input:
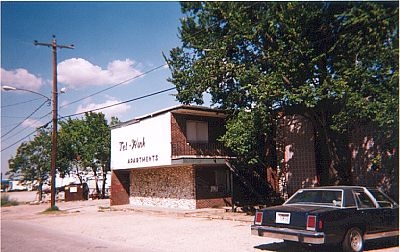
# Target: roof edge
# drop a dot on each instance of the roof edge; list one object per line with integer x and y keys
{"x": 166, "y": 110}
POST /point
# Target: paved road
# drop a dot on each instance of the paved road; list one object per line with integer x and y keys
{"x": 30, "y": 237}
{"x": 94, "y": 226}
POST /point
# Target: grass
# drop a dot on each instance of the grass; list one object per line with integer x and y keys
{"x": 6, "y": 201}
{"x": 53, "y": 209}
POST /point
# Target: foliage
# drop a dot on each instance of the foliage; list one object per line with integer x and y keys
{"x": 85, "y": 143}
{"x": 32, "y": 161}
{"x": 336, "y": 62}
{"x": 246, "y": 135}
{"x": 81, "y": 144}
{"x": 114, "y": 121}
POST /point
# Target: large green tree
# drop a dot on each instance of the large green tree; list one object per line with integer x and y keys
{"x": 85, "y": 144}
{"x": 335, "y": 63}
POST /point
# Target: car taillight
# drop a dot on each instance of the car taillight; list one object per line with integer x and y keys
{"x": 258, "y": 218}
{"x": 311, "y": 222}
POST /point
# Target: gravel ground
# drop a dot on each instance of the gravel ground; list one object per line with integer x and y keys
{"x": 150, "y": 229}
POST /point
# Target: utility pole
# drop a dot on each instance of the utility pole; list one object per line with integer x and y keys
{"x": 54, "y": 47}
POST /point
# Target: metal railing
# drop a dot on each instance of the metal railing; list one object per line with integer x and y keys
{"x": 198, "y": 149}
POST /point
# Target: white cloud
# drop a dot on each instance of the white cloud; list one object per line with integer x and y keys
{"x": 21, "y": 78}
{"x": 32, "y": 123}
{"x": 78, "y": 72}
{"x": 109, "y": 112}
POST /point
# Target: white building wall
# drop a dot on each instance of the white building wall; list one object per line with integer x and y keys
{"x": 142, "y": 144}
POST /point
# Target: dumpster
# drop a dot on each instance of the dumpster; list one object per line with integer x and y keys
{"x": 74, "y": 192}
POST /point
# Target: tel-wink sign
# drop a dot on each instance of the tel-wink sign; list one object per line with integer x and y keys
{"x": 143, "y": 144}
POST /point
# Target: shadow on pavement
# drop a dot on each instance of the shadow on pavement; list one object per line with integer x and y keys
{"x": 297, "y": 247}
{"x": 291, "y": 247}
{"x": 382, "y": 243}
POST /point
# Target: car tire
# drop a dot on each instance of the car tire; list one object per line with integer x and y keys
{"x": 353, "y": 241}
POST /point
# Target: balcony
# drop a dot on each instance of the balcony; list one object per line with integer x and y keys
{"x": 198, "y": 149}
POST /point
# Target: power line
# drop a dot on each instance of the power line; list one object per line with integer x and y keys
{"x": 123, "y": 102}
{"x": 19, "y": 103}
{"x": 115, "y": 85}
{"x": 21, "y": 139}
{"x": 43, "y": 126}
{"x": 23, "y": 120}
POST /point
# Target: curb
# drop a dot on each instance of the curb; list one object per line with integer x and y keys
{"x": 205, "y": 213}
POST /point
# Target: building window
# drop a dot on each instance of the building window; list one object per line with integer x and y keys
{"x": 197, "y": 131}
{"x": 212, "y": 182}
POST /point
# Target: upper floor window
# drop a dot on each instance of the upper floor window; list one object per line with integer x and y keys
{"x": 197, "y": 131}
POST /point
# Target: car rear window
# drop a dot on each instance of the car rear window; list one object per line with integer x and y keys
{"x": 320, "y": 197}
{"x": 382, "y": 199}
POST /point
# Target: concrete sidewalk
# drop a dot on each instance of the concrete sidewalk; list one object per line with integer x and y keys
{"x": 207, "y": 213}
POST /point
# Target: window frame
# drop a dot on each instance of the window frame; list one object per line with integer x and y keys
{"x": 197, "y": 131}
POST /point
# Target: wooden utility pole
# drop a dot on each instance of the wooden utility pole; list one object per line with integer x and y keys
{"x": 54, "y": 47}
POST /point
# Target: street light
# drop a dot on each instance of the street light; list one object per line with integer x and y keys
{"x": 54, "y": 136}
{"x": 9, "y": 88}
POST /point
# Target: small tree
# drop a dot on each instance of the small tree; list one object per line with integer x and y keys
{"x": 32, "y": 161}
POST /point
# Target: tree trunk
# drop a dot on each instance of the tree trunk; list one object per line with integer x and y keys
{"x": 40, "y": 191}
{"x": 96, "y": 180}
{"x": 333, "y": 157}
{"x": 271, "y": 159}
{"x": 103, "y": 188}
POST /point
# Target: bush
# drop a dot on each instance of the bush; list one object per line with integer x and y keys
{"x": 6, "y": 201}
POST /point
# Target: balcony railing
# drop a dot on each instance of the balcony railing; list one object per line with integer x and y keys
{"x": 198, "y": 149}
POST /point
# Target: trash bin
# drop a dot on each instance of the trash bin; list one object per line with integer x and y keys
{"x": 74, "y": 192}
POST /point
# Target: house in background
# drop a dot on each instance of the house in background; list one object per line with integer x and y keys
{"x": 171, "y": 158}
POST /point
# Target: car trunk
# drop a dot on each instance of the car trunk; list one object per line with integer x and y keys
{"x": 289, "y": 216}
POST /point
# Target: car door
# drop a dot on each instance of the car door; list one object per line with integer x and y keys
{"x": 389, "y": 218}
{"x": 388, "y": 211}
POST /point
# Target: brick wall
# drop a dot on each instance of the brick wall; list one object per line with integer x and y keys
{"x": 178, "y": 128}
{"x": 370, "y": 165}
{"x": 171, "y": 187}
{"x": 213, "y": 203}
{"x": 216, "y": 128}
{"x": 299, "y": 167}
{"x": 119, "y": 187}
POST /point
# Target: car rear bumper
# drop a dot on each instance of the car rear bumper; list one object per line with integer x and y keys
{"x": 303, "y": 236}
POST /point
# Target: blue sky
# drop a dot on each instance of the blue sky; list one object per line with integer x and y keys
{"x": 114, "y": 42}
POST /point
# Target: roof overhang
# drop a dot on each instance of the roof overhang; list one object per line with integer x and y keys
{"x": 181, "y": 110}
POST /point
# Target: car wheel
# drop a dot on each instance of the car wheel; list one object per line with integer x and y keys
{"x": 353, "y": 241}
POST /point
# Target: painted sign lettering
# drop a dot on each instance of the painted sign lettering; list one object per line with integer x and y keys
{"x": 133, "y": 144}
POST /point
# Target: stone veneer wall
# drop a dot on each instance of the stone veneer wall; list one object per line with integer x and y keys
{"x": 171, "y": 187}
